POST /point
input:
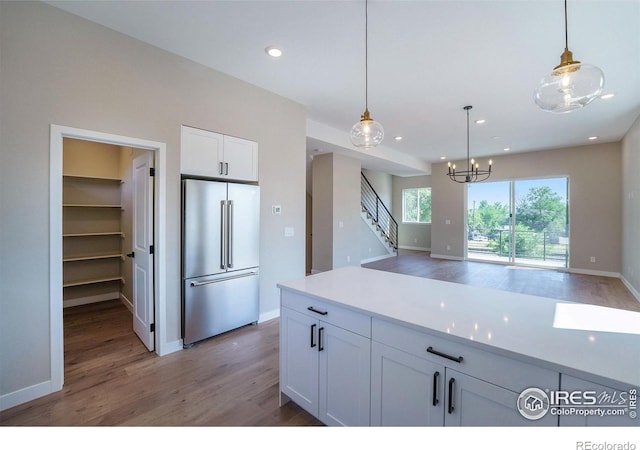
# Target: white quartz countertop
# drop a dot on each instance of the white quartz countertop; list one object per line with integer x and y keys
{"x": 573, "y": 338}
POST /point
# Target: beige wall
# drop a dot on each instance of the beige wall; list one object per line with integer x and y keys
{"x": 61, "y": 69}
{"x": 416, "y": 236}
{"x": 336, "y": 212}
{"x": 631, "y": 208}
{"x": 595, "y": 206}
{"x": 322, "y": 213}
{"x": 382, "y": 183}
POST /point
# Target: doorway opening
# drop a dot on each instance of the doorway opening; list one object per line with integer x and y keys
{"x": 86, "y": 206}
{"x": 522, "y": 222}
{"x": 107, "y": 229}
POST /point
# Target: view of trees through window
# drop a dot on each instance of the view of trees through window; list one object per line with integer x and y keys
{"x": 416, "y": 205}
{"x": 538, "y": 227}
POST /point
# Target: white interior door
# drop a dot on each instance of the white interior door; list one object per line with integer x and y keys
{"x": 142, "y": 252}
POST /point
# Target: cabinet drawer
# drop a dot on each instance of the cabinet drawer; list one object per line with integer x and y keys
{"x": 327, "y": 312}
{"x": 503, "y": 371}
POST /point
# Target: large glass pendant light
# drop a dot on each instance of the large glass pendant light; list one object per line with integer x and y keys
{"x": 571, "y": 85}
{"x": 367, "y": 132}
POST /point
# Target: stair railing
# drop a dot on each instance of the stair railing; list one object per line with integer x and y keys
{"x": 378, "y": 212}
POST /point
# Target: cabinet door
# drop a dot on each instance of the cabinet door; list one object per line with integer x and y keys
{"x": 405, "y": 390}
{"x": 473, "y": 402}
{"x": 299, "y": 359}
{"x": 345, "y": 367}
{"x": 200, "y": 153}
{"x": 610, "y": 400}
{"x": 240, "y": 159}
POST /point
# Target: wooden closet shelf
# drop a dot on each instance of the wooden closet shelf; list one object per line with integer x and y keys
{"x": 93, "y": 281}
{"x": 92, "y": 257}
{"x": 107, "y": 233}
{"x": 92, "y": 178}
{"x": 77, "y": 205}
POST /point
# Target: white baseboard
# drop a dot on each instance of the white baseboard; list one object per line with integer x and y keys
{"x": 377, "y": 258}
{"x": 454, "y": 258}
{"x": 25, "y": 395}
{"x": 408, "y": 247}
{"x": 633, "y": 290}
{"x": 171, "y": 347}
{"x": 599, "y": 273}
{"x": 126, "y": 302}
{"x": 274, "y": 313}
{"x": 91, "y": 299}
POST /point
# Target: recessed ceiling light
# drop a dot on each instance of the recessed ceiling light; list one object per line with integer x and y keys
{"x": 606, "y": 96}
{"x": 273, "y": 51}
{"x": 593, "y": 138}
{"x": 506, "y": 149}
{"x": 398, "y": 138}
{"x": 495, "y": 137}
{"x": 481, "y": 121}
{"x": 443, "y": 157}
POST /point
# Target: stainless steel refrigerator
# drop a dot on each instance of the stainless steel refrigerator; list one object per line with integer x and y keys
{"x": 220, "y": 270}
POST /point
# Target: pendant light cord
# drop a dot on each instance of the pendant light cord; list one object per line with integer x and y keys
{"x": 566, "y": 27}
{"x": 366, "y": 55}
{"x": 468, "y": 108}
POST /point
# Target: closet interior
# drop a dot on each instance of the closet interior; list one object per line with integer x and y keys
{"x": 96, "y": 226}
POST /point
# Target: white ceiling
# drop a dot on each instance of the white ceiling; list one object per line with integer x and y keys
{"x": 427, "y": 59}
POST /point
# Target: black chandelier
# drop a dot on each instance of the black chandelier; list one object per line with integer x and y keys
{"x": 473, "y": 173}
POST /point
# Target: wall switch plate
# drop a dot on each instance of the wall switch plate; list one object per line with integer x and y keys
{"x": 276, "y": 209}
{"x": 288, "y": 232}
{"x": 447, "y": 222}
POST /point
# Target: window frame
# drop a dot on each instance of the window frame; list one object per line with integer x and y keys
{"x": 416, "y": 222}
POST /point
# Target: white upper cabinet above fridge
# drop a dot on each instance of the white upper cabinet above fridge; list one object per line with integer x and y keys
{"x": 213, "y": 155}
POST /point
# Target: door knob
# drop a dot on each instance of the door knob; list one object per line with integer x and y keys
{"x": 131, "y": 255}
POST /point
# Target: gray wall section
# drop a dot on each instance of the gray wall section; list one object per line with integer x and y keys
{"x": 595, "y": 201}
{"x": 322, "y": 213}
{"x": 60, "y": 69}
{"x": 346, "y": 211}
{"x": 415, "y": 236}
{"x": 336, "y": 212}
{"x": 631, "y": 208}
{"x": 382, "y": 183}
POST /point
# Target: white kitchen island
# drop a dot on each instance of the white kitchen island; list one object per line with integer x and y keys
{"x": 366, "y": 347}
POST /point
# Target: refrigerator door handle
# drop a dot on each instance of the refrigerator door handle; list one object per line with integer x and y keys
{"x": 230, "y": 233}
{"x": 220, "y": 280}
{"x": 223, "y": 234}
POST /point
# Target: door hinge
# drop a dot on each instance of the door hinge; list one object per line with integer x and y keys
{"x": 152, "y": 171}
{"x": 151, "y": 249}
{"x": 152, "y": 327}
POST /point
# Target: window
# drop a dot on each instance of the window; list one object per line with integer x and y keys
{"x": 416, "y": 205}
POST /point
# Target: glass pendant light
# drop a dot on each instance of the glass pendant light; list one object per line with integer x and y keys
{"x": 367, "y": 132}
{"x": 571, "y": 85}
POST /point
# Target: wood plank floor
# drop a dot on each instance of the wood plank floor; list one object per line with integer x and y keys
{"x": 590, "y": 289}
{"x": 111, "y": 378}
{"x": 232, "y": 379}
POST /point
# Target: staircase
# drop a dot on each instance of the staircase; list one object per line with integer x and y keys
{"x": 378, "y": 217}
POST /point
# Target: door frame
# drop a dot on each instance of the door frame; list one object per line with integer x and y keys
{"x": 58, "y": 133}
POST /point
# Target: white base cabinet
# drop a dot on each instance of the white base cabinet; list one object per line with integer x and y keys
{"x": 418, "y": 352}
{"x": 405, "y": 390}
{"x": 599, "y": 405}
{"x": 325, "y": 368}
